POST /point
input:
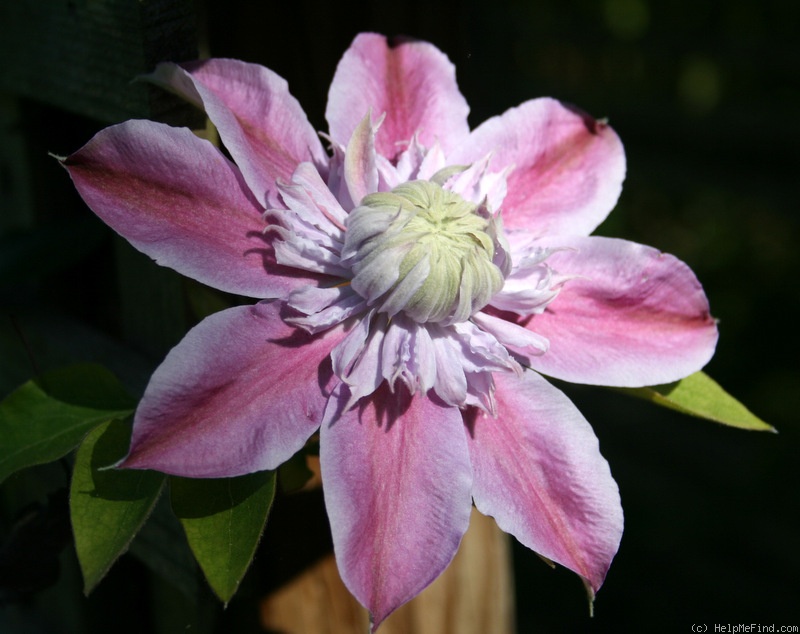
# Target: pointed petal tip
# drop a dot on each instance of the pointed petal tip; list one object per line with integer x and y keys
{"x": 119, "y": 464}
{"x": 590, "y": 595}
{"x": 140, "y": 460}
{"x": 143, "y": 457}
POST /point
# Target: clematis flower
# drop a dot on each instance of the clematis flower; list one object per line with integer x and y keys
{"x": 417, "y": 282}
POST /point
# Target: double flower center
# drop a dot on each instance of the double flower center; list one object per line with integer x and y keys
{"x": 425, "y": 251}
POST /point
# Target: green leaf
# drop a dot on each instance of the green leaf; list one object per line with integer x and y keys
{"x": 699, "y": 395}
{"x": 223, "y": 520}
{"x": 46, "y": 418}
{"x": 107, "y": 506}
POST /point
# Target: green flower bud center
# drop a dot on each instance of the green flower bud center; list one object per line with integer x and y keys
{"x": 430, "y": 253}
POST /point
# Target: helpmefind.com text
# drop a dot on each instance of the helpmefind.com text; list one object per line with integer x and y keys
{"x": 744, "y": 628}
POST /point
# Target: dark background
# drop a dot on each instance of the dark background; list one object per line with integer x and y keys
{"x": 704, "y": 95}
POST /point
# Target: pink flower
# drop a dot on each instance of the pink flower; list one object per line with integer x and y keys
{"x": 417, "y": 281}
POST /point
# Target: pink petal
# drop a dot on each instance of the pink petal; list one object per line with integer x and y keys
{"x": 360, "y": 171}
{"x": 538, "y": 471}
{"x": 319, "y": 194}
{"x": 364, "y": 377}
{"x": 633, "y": 317}
{"x": 508, "y": 333}
{"x": 261, "y": 124}
{"x": 241, "y": 393}
{"x": 408, "y": 354}
{"x": 323, "y": 308}
{"x": 412, "y": 82}
{"x": 397, "y": 490}
{"x": 179, "y": 200}
{"x": 479, "y": 185}
{"x": 567, "y": 168}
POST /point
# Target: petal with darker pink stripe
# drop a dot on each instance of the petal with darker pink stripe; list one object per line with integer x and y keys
{"x": 176, "y": 198}
{"x": 412, "y": 82}
{"x": 261, "y": 124}
{"x": 567, "y": 168}
{"x": 397, "y": 490}
{"x": 241, "y": 393}
{"x": 632, "y": 316}
{"x": 538, "y": 471}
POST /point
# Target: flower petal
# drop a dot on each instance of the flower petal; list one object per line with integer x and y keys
{"x": 568, "y": 168}
{"x": 632, "y": 317}
{"x": 179, "y": 200}
{"x": 360, "y": 170}
{"x": 451, "y": 382}
{"x": 412, "y": 82}
{"x": 324, "y": 307}
{"x": 261, "y": 124}
{"x": 538, "y": 471}
{"x": 477, "y": 184}
{"x": 323, "y": 201}
{"x": 241, "y": 393}
{"x": 531, "y": 284}
{"x": 508, "y": 333}
{"x": 365, "y": 376}
{"x": 397, "y": 490}
{"x": 408, "y": 354}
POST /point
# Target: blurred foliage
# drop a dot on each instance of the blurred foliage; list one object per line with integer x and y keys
{"x": 703, "y": 94}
